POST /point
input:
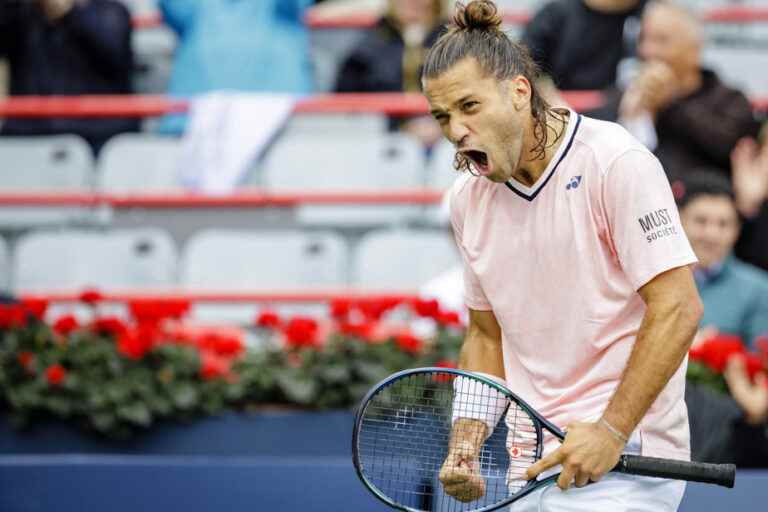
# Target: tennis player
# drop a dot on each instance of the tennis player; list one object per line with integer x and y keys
{"x": 576, "y": 274}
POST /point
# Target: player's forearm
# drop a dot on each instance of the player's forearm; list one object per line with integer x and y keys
{"x": 469, "y": 434}
{"x": 481, "y": 351}
{"x": 663, "y": 340}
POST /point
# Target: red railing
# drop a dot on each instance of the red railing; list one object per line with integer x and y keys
{"x": 220, "y": 297}
{"x": 394, "y": 104}
{"x": 252, "y": 199}
{"x": 316, "y": 20}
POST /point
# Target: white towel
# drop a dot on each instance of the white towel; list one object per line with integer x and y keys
{"x": 225, "y": 134}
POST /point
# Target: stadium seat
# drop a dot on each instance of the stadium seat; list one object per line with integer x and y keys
{"x": 73, "y": 259}
{"x": 140, "y": 163}
{"x": 403, "y": 259}
{"x": 5, "y": 266}
{"x": 356, "y": 162}
{"x": 257, "y": 260}
{"x": 56, "y": 163}
{"x": 243, "y": 261}
{"x": 441, "y": 173}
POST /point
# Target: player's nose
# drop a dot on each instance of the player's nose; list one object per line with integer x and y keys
{"x": 457, "y": 133}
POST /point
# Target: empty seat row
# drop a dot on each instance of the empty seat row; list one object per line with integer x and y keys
{"x": 229, "y": 260}
{"x": 306, "y": 160}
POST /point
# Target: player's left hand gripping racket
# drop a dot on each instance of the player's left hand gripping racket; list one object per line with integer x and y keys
{"x": 403, "y": 430}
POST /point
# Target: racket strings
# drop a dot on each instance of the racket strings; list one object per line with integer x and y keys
{"x": 407, "y": 427}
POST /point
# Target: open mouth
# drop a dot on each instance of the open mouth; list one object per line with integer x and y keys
{"x": 479, "y": 158}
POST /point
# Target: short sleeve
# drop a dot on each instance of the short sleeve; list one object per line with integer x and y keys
{"x": 643, "y": 220}
{"x": 474, "y": 297}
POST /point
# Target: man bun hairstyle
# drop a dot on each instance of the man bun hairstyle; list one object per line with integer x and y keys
{"x": 475, "y": 32}
{"x": 481, "y": 15}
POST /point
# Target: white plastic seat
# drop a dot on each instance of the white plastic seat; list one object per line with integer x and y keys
{"x": 358, "y": 162}
{"x": 237, "y": 260}
{"x": 403, "y": 259}
{"x": 5, "y": 266}
{"x": 74, "y": 259}
{"x": 140, "y": 163}
{"x": 56, "y": 163}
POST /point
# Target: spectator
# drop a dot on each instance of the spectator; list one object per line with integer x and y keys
{"x": 580, "y": 43}
{"x": 246, "y": 46}
{"x": 389, "y": 58}
{"x": 730, "y": 429}
{"x": 680, "y": 110}
{"x": 735, "y": 295}
{"x": 749, "y": 171}
{"x": 67, "y": 47}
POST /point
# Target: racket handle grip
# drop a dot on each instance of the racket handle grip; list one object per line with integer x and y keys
{"x": 720, "y": 474}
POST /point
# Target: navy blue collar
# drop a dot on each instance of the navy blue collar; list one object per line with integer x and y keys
{"x": 531, "y": 194}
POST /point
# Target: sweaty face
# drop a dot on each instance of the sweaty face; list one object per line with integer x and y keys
{"x": 669, "y": 36}
{"x": 712, "y": 226}
{"x": 482, "y": 117}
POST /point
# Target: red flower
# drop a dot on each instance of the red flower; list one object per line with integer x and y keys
{"x": 136, "y": 343}
{"x": 26, "y": 359}
{"x": 55, "y": 374}
{"x": 761, "y": 344}
{"x": 109, "y": 325}
{"x": 715, "y": 352}
{"x": 155, "y": 310}
{"x": 213, "y": 366}
{"x": 363, "y": 330}
{"x": 409, "y": 343}
{"x": 373, "y": 310}
{"x": 225, "y": 345}
{"x": 340, "y": 308}
{"x": 91, "y": 296}
{"x": 449, "y": 319}
{"x": 427, "y": 308}
{"x": 753, "y": 363}
{"x": 301, "y": 332}
{"x": 268, "y": 320}
{"x": 12, "y": 315}
{"x": 444, "y": 377}
{"x": 65, "y": 325}
{"x": 35, "y": 307}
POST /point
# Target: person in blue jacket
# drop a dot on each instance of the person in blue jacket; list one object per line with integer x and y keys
{"x": 734, "y": 293}
{"x": 243, "y": 45}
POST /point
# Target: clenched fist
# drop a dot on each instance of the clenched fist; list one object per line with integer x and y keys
{"x": 460, "y": 473}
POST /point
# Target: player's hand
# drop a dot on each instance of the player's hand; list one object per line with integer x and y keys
{"x": 460, "y": 474}
{"x": 589, "y": 451}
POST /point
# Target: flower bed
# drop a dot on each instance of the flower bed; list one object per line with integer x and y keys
{"x": 117, "y": 375}
{"x": 114, "y": 376}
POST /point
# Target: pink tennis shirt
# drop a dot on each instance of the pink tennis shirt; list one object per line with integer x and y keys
{"x": 560, "y": 263}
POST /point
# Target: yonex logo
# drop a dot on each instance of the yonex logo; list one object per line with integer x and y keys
{"x": 574, "y": 183}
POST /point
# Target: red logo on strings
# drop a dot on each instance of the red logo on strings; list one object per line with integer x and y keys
{"x": 515, "y": 452}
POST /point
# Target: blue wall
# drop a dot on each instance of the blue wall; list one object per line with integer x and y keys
{"x": 272, "y": 462}
{"x": 64, "y": 483}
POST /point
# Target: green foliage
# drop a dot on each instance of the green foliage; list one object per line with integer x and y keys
{"x": 86, "y": 377}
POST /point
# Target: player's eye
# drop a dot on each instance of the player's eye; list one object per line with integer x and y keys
{"x": 470, "y": 105}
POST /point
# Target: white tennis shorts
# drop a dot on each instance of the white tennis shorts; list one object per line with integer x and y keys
{"x": 615, "y": 492}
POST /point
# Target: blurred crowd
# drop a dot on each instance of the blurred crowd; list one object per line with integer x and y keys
{"x": 645, "y": 56}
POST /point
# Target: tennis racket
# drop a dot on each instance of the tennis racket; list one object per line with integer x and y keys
{"x": 403, "y": 430}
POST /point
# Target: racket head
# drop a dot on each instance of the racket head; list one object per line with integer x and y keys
{"x": 401, "y": 438}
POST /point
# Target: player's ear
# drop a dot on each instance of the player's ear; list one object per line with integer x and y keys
{"x": 519, "y": 92}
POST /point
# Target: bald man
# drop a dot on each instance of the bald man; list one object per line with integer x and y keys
{"x": 680, "y": 110}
